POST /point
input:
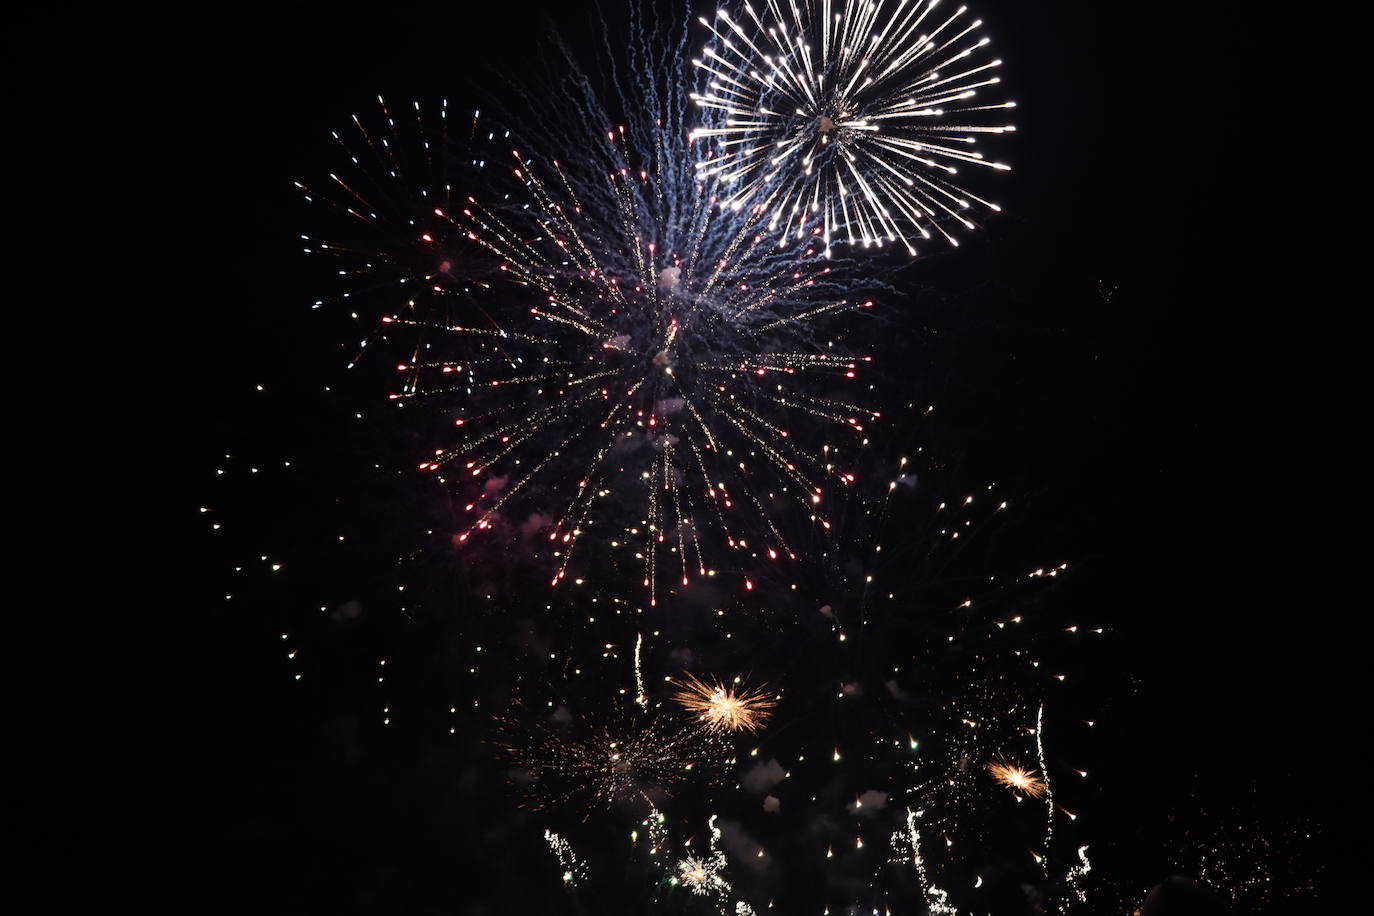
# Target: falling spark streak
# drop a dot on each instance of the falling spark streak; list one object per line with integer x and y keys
{"x": 1045, "y": 775}
{"x": 640, "y": 697}
{"x": 1072, "y": 876}
{"x": 869, "y": 133}
{"x": 937, "y": 900}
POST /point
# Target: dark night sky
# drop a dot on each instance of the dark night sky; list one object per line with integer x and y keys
{"x": 1176, "y": 439}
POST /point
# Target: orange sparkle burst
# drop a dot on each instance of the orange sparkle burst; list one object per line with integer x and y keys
{"x": 1017, "y": 778}
{"x": 722, "y": 708}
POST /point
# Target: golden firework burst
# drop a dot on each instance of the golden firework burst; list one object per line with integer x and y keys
{"x": 1017, "y": 778}
{"x": 725, "y": 708}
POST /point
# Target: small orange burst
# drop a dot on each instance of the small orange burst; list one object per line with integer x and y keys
{"x": 722, "y": 708}
{"x": 1017, "y": 778}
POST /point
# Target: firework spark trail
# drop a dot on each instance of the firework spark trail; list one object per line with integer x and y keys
{"x": 640, "y": 696}
{"x": 656, "y": 824}
{"x": 868, "y": 134}
{"x": 937, "y": 899}
{"x": 1045, "y": 777}
{"x": 573, "y": 867}
{"x": 1073, "y": 875}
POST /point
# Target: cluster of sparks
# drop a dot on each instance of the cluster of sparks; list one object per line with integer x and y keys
{"x": 669, "y": 369}
{"x": 573, "y": 867}
{"x": 1019, "y": 779}
{"x": 703, "y": 874}
{"x": 380, "y": 233}
{"x": 907, "y": 846}
{"x": 722, "y": 707}
{"x": 861, "y": 111}
{"x": 1254, "y": 861}
{"x": 979, "y": 729}
{"x": 603, "y": 341}
{"x": 621, "y": 760}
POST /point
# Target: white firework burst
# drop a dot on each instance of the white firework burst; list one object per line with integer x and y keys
{"x": 849, "y": 118}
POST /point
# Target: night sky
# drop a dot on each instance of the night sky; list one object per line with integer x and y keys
{"x": 1133, "y": 349}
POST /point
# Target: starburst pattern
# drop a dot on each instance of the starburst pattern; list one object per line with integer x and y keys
{"x": 656, "y": 362}
{"x": 725, "y": 708}
{"x": 1017, "y": 778}
{"x": 861, "y": 111}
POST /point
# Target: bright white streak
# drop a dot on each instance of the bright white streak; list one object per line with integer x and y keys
{"x": 640, "y": 697}
{"x": 1078, "y": 871}
{"x": 937, "y": 900}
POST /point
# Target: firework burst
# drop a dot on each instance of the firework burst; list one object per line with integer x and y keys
{"x": 703, "y": 874}
{"x": 725, "y": 708}
{"x": 859, "y": 111}
{"x": 698, "y": 875}
{"x": 644, "y": 354}
{"x": 1017, "y": 778}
